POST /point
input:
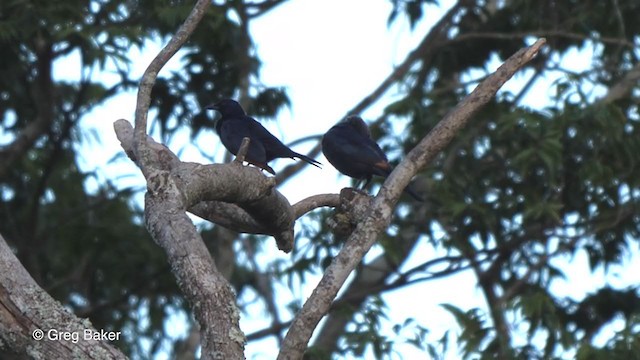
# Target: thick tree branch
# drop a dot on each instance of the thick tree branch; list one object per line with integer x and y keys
{"x": 26, "y": 309}
{"x": 173, "y": 187}
{"x": 220, "y": 193}
{"x": 271, "y": 215}
{"x": 236, "y": 218}
{"x": 211, "y": 297}
{"x": 370, "y": 279}
{"x": 214, "y": 208}
{"x": 381, "y": 210}
{"x": 228, "y": 189}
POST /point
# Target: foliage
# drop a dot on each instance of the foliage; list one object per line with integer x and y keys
{"x": 521, "y": 186}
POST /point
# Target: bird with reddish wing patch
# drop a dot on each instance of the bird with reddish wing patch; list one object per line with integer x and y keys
{"x": 348, "y": 146}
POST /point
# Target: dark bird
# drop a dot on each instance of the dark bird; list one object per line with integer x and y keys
{"x": 350, "y": 149}
{"x": 233, "y": 125}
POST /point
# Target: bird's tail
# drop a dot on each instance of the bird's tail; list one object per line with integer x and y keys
{"x": 309, "y": 160}
{"x": 409, "y": 190}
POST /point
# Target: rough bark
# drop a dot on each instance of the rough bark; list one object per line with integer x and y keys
{"x": 27, "y": 312}
{"x": 173, "y": 187}
{"x": 368, "y": 280}
{"x": 228, "y": 192}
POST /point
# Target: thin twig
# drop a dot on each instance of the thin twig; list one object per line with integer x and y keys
{"x": 242, "y": 152}
{"x": 313, "y": 202}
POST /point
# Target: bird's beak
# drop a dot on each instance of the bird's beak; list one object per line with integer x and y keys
{"x": 214, "y": 107}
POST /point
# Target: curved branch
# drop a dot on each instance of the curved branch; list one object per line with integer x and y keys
{"x": 381, "y": 210}
{"x": 173, "y": 187}
{"x": 236, "y": 218}
{"x": 143, "y": 100}
{"x": 220, "y": 193}
{"x": 313, "y": 202}
{"x": 230, "y": 216}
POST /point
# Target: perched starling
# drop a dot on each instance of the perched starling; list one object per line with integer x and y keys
{"x": 350, "y": 149}
{"x": 234, "y": 125}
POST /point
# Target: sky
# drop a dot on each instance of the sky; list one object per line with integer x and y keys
{"x": 329, "y": 55}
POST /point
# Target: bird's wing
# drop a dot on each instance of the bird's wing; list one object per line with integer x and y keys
{"x": 233, "y": 131}
{"x": 368, "y": 151}
{"x": 353, "y": 153}
{"x": 274, "y": 148}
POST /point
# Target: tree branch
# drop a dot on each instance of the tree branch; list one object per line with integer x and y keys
{"x": 229, "y": 189}
{"x": 369, "y": 279}
{"x": 313, "y": 202}
{"x": 381, "y": 210}
{"x": 143, "y": 100}
{"x": 211, "y": 195}
{"x": 174, "y": 186}
{"x": 26, "y": 309}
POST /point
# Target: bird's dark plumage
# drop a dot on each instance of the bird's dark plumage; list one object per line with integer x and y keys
{"x": 350, "y": 149}
{"x": 234, "y": 125}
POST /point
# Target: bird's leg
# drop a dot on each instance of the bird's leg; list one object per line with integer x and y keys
{"x": 364, "y": 187}
{"x": 242, "y": 152}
